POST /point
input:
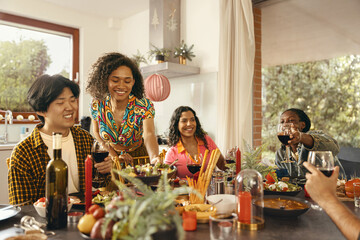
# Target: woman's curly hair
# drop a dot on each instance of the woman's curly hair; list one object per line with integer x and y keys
{"x": 97, "y": 84}
{"x": 174, "y": 133}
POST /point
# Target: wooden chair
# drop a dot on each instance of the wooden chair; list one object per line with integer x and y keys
{"x": 141, "y": 160}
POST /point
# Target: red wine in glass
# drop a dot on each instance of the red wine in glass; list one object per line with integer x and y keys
{"x": 284, "y": 139}
{"x": 99, "y": 156}
{"x": 326, "y": 172}
{"x": 193, "y": 168}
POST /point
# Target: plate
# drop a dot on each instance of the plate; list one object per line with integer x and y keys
{"x": 85, "y": 236}
{"x": 8, "y": 213}
{"x": 293, "y": 193}
{"x": 286, "y": 212}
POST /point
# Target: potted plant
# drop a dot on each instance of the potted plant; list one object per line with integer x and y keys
{"x": 139, "y": 58}
{"x": 150, "y": 216}
{"x": 184, "y": 52}
{"x": 160, "y": 54}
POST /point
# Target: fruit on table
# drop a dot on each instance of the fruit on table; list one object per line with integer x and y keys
{"x": 349, "y": 187}
{"x": 86, "y": 223}
{"x": 99, "y": 213}
{"x": 96, "y": 229}
{"x": 93, "y": 207}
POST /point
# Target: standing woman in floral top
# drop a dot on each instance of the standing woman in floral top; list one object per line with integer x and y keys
{"x": 121, "y": 115}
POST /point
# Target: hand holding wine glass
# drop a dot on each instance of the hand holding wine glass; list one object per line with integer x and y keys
{"x": 99, "y": 152}
{"x": 284, "y": 131}
{"x": 323, "y": 161}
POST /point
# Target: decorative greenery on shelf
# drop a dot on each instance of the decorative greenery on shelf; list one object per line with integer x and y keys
{"x": 139, "y": 58}
{"x": 184, "y": 51}
{"x": 155, "y": 51}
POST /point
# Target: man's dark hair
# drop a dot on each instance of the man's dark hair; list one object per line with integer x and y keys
{"x": 46, "y": 89}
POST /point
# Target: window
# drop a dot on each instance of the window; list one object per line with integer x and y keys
{"x": 30, "y": 48}
{"x": 311, "y": 61}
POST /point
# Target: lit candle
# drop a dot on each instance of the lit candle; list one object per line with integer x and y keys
{"x": 238, "y": 161}
{"x": 244, "y": 207}
{"x": 88, "y": 182}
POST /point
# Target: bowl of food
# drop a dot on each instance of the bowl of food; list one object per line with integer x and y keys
{"x": 40, "y": 206}
{"x": 281, "y": 188}
{"x": 284, "y": 206}
{"x": 227, "y": 204}
{"x": 203, "y": 211}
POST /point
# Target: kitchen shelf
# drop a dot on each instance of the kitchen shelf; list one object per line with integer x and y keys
{"x": 169, "y": 70}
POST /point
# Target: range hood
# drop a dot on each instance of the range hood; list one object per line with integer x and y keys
{"x": 164, "y": 32}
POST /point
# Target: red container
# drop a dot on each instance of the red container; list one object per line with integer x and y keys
{"x": 189, "y": 220}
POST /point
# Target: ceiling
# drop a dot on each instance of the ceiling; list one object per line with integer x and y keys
{"x": 306, "y": 30}
{"x": 105, "y": 8}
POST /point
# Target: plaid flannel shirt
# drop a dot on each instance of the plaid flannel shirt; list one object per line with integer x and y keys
{"x": 27, "y": 170}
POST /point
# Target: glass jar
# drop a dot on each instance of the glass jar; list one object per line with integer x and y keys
{"x": 250, "y": 199}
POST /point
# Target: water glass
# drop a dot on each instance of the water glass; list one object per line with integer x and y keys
{"x": 357, "y": 194}
{"x": 223, "y": 226}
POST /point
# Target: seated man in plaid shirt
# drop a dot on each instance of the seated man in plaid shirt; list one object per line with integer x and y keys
{"x": 55, "y": 101}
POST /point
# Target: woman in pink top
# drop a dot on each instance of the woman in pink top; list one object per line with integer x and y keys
{"x": 188, "y": 141}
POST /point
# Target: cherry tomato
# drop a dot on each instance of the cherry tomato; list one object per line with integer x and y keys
{"x": 93, "y": 208}
{"x": 269, "y": 178}
{"x": 43, "y": 199}
{"x": 99, "y": 213}
{"x": 285, "y": 189}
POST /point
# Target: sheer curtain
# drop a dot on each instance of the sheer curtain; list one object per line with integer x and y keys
{"x": 236, "y": 69}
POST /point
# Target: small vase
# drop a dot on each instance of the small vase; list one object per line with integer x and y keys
{"x": 182, "y": 60}
{"x": 160, "y": 58}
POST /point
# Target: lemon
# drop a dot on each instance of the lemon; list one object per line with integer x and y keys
{"x": 86, "y": 223}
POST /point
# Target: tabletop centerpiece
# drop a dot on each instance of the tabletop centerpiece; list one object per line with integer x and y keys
{"x": 149, "y": 215}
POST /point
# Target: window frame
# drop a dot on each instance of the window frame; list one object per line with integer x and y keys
{"x": 39, "y": 24}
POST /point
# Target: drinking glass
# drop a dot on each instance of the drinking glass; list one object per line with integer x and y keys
{"x": 223, "y": 226}
{"x": 99, "y": 152}
{"x": 283, "y": 133}
{"x": 322, "y": 160}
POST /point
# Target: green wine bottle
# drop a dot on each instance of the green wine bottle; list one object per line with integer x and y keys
{"x": 56, "y": 188}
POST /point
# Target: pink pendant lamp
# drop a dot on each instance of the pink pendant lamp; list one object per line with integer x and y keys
{"x": 157, "y": 87}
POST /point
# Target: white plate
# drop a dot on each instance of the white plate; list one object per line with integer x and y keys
{"x": 8, "y": 213}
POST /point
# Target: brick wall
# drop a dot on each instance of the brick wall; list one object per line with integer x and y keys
{"x": 257, "y": 113}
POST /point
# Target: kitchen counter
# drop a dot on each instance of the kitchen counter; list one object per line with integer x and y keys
{"x": 314, "y": 224}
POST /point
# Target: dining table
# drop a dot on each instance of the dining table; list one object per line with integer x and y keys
{"x": 314, "y": 224}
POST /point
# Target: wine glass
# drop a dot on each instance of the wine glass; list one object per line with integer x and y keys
{"x": 99, "y": 152}
{"x": 283, "y": 133}
{"x": 323, "y": 161}
{"x": 192, "y": 166}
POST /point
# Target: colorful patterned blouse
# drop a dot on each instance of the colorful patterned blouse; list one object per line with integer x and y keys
{"x": 129, "y": 133}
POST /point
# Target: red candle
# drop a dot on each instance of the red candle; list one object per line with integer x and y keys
{"x": 88, "y": 182}
{"x": 189, "y": 220}
{"x": 244, "y": 207}
{"x": 238, "y": 161}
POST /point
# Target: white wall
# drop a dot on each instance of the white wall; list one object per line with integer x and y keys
{"x": 199, "y": 26}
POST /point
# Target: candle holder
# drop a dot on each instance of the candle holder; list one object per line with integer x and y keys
{"x": 250, "y": 200}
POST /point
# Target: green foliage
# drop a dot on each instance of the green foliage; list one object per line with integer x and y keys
{"x": 159, "y": 51}
{"x": 142, "y": 216}
{"x": 252, "y": 159}
{"x": 139, "y": 58}
{"x": 184, "y": 51}
{"x": 327, "y": 90}
{"x": 21, "y": 63}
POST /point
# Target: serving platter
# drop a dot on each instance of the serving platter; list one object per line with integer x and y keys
{"x": 8, "y": 212}
{"x": 286, "y": 212}
{"x": 292, "y": 193}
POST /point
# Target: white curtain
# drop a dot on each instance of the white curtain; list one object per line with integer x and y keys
{"x": 236, "y": 69}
